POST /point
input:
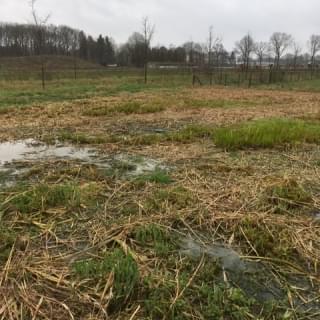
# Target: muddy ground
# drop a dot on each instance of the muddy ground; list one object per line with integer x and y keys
{"x": 113, "y": 209}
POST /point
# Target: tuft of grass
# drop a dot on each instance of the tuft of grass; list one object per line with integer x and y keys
{"x": 124, "y": 268}
{"x": 188, "y": 134}
{"x": 287, "y": 194}
{"x": 7, "y": 239}
{"x": 130, "y": 107}
{"x": 155, "y": 237}
{"x": 225, "y": 303}
{"x": 191, "y": 133}
{"x": 145, "y": 139}
{"x": 267, "y": 134}
{"x": 43, "y": 196}
{"x": 124, "y": 166}
{"x": 129, "y": 209}
{"x": 215, "y": 301}
{"x": 81, "y": 138}
{"x": 269, "y": 241}
{"x": 177, "y": 197}
{"x": 4, "y": 176}
{"x": 158, "y": 176}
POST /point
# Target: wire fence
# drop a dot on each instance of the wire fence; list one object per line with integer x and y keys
{"x": 252, "y": 77}
{"x": 184, "y": 75}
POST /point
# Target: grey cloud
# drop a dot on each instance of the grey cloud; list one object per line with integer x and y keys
{"x": 177, "y": 20}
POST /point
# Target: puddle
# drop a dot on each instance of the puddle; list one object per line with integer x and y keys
{"x": 32, "y": 150}
{"x": 156, "y": 130}
{"x": 227, "y": 257}
{"x": 255, "y": 278}
{"x": 252, "y": 277}
{"x": 316, "y": 215}
{"x": 12, "y": 153}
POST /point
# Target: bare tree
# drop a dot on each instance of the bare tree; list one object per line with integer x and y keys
{"x": 40, "y": 24}
{"x": 74, "y": 49}
{"x": 218, "y": 51}
{"x": 245, "y": 46}
{"x": 314, "y": 47}
{"x": 210, "y": 45}
{"x": 297, "y": 49}
{"x": 148, "y": 33}
{"x": 279, "y": 43}
{"x": 261, "y": 49}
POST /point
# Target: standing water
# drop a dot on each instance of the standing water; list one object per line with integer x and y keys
{"x": 31, "y": 150}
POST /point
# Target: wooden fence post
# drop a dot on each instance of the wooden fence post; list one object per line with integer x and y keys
{"x": 250, "y": 79}
{"x": 43, "y": 76}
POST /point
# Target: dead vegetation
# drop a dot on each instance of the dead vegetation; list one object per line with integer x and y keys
{"x": 79, "y": 241}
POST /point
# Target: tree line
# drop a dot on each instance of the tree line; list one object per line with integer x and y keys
{"x": 32, "y": 39}
{"x": 29, "y": 39}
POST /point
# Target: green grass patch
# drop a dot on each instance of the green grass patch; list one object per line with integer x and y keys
{"x": 176, "y": 197}
{"x": 267, "y": 134}
{"x": 156, "y": 238}
{"x": 124, "y": 268}
{"x": 302, "y": 85}
{"x": 7, "y": 239}
{"x": 24, "y": 96}
{"x": 130, "y": 107}
{"x": 158, "y": 176}
{"x": 268, "y": 240}
{"x": 81, "y": 138}
{"x": 287, "y": 195}
{"x": 4, "y": 176}
{"x": 144, "y": 139}
{"x": 214, "y": 300}
{"x": 42, "y": 197}
{"x": 216, "y": 103}
{"x": 190, "y": 133}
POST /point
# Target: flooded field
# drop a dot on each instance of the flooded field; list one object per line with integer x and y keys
{"x": 162, "y": 204}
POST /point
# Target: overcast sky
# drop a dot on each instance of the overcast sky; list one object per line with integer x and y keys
{"x": 177, "y": 21}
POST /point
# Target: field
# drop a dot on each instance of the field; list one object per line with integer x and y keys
{"x": 159, "y": 201}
